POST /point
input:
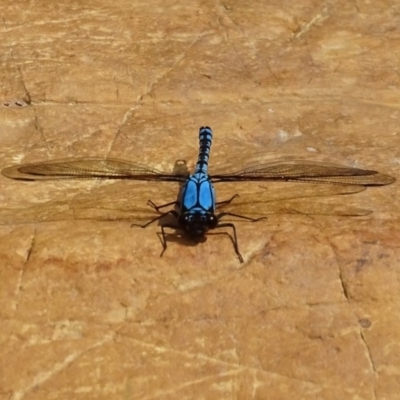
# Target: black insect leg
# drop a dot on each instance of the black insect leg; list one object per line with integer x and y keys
{"x": 164, "y": 240}
{"x": 172, "y": 212}
{"x": 234, "y": 239}
{"x": 157, "y": 208}
{"x": 225, "y": 202}
{"x": 223, "y": 214}
{"x": 229, "y": 224}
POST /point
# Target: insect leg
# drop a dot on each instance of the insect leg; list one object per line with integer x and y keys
{"x": 219, "y": 216}
{"x": 172, "y": 212}
{"x": 157, "y": 208}
{"x": 234, "y": 239}
{"x": 164, "y": 240}
{"x": 225, "y": 202}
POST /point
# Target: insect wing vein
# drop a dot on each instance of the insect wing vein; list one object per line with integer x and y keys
{"x": 88, "y": 168}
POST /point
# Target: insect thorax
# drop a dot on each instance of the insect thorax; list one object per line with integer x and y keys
{"x": 198, "y": 194}
{"x": 197, "y": 205}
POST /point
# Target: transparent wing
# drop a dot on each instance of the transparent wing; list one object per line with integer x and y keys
{"x": 44, "y": 212}
{"x": 306, "y": 171}
{"x": 89, "y": 168}
{"x": 288, "y": 199}
{"x": 111, "y": 202}
{"x": 125, "y": 201}
{"x": 63, "y": 211}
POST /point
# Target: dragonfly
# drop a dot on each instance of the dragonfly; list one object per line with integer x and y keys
{"x": 196, "y": 210}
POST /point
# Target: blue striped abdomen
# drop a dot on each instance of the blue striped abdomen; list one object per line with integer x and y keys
{"x": 205, "y": 139}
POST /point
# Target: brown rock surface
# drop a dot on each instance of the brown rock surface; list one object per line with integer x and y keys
{"x": 88, "y": 308}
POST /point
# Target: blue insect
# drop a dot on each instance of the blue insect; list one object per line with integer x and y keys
{"x": 195, "y": 210}
{"x": 197, "y": 202}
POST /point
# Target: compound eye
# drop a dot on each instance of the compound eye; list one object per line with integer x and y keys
{"x": 212, "y": 221}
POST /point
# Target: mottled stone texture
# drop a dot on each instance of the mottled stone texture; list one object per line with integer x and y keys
{"x": 89, "y": 310}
